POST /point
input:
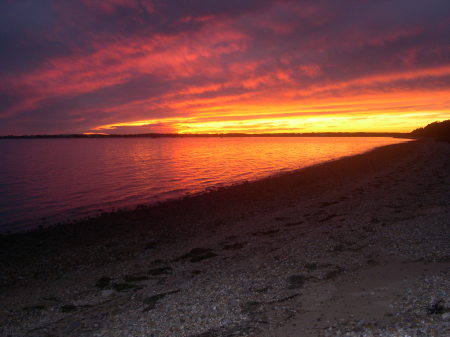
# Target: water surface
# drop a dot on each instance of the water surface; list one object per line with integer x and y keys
{"x": 44, "y": 181}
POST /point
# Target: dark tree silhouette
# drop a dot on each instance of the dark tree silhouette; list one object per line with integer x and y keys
{"x": 438, "y": 130}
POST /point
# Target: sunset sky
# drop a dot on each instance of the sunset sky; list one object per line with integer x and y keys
{"x": 216, "y": 66}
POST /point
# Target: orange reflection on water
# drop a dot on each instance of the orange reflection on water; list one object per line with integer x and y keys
{"x": 122, "y": 172}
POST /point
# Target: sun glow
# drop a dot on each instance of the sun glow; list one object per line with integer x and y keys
{"x": 270, "y": 67}
{"x": 387, "y": 112}
{"x": 273, "y": 104}
{"x": 327, "y": 123}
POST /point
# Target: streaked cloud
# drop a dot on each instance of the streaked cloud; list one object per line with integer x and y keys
{"x": 130, "y": 66}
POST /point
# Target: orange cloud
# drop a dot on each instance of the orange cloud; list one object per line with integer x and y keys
{"x": 256, "y": 66}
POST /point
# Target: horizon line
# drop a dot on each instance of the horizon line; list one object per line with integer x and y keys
{"x": 230, "y": 134}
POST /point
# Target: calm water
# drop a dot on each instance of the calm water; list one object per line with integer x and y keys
{"x": 44, "y": 181}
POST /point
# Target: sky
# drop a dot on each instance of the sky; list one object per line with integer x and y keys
{"x": 219, "y": 66}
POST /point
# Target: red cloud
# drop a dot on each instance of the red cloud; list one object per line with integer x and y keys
{"x": 126, "y": 61}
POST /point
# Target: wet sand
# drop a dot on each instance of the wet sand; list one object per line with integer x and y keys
{"x": 355, "y": 247}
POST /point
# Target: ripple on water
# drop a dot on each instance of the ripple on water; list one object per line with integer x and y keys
{"x": 54, "y": 179}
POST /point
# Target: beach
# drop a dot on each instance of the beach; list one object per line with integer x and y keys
{"x": 353, "y": 247}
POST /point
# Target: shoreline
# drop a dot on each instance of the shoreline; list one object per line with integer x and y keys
{"x": 240, "y": 260}
{"x": 137, "y": 208}
{"x": 82, "y": 211}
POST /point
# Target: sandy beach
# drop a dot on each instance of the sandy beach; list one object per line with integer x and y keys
{"x": 354, "y": 247}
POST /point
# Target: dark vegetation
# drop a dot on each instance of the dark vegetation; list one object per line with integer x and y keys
{"x": 437, "y": 130}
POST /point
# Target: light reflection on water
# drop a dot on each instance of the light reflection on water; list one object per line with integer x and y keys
{"x": 43, "y": 181}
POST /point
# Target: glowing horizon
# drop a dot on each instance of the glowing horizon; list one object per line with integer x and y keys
{"x": 266, "y": 66}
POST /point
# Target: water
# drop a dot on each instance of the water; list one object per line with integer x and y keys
{"x": 44, "y": 181}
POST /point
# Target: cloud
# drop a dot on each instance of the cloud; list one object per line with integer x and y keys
{"x": 73, "y": 66}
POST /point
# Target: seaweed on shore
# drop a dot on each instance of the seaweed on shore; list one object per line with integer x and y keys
{"x": 153, "y": 300}
{"x": 268, "y": 232}
{"x": 103, "y": 282}
{"x": 68, "y": 308}
{"x": 311, "y": 266}
{"x": 234, "y": 246}
{"x": 125, "y": 286}
{"x": 159, "y": 271}
{"x": 296, "y": 281}
{"x": 152, "y": 244}
{"x": 135, "y": 278}
{"x": 36, "y": 307}
{"x": 251, "y": 308}
{"x": 329, "y": 217}
{"x": 292, "y": 224}
{"x": 197, "y": 255}
{"x": 228, "y": 331}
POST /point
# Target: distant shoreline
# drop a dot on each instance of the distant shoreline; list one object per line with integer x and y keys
{"x": 177, "y": 135}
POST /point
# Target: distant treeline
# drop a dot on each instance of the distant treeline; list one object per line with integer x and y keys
{"x": 175, "y": 135}
{"x": 438, "y": 130}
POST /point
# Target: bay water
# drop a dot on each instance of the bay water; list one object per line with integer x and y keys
{"x": 45, "y": 181}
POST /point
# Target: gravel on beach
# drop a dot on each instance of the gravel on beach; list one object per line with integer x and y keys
{"x": 353, "y": 247}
